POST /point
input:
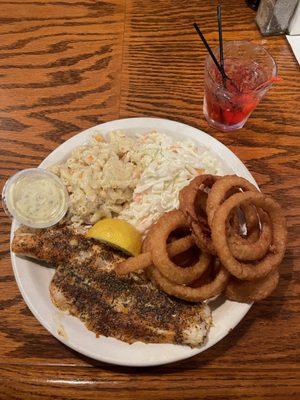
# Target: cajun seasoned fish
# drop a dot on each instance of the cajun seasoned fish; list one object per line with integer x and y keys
{"x": 128, "y": 308}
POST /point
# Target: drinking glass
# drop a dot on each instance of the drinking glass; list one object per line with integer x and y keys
{"x": 251, "y": 69}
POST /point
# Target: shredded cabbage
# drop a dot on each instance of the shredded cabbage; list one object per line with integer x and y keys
{"x": 168, "y": 166}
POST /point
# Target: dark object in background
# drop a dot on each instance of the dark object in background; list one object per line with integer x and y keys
{"x": 253, "y": 4}
{"x": 273, "y": 16}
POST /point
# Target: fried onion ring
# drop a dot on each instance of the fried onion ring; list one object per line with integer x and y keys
{"x": 146, "y": 242}
{"x": 188, "y": 198}
{"x": 248, "y": 291}
{"x": 144, "y": 260}
{"x": 250, "y": 271}
{"x": 187, "y": 293}
{"x": 256, "y": 244}
{"x": 247, "y": 249}
{"x": 219, "y": 192}
{"x": 160, "y": 258}
{"x": 187, "y": 195}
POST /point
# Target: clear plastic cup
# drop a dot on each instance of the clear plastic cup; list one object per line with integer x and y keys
{"x": 34, "y": 192}
{"x": 251, "y": 69}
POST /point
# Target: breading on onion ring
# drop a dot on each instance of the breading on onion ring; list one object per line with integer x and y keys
{"x": 219, "y": 191}
{"x": 188, "y": 199}
{"x": 187, "y": 293}
{"x": 167, "y": 223}
{"x": 258, "y": 240}
{"x": 247, "y": 291}
{"x": 188, "y": 195}
{"x": 144, "y": 260}
{"x": 207, "y": 276}
{"x": 146, "y": 241}
{"x": 250, "y": 271}
{"x": 247, "y": 249}
{"x": 202, "y": 238}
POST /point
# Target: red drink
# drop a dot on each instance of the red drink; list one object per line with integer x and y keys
{"x": 228, "y": 104}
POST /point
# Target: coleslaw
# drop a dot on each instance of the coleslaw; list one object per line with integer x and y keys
{"x": 172, "y": 166}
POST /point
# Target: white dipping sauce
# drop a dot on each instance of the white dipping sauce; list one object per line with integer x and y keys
{"x": 37, "y": 200}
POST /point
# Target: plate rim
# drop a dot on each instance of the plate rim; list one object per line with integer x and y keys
{"x": 14, "y": 257}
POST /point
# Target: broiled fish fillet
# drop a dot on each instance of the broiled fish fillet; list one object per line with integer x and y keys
{"x": 128, "y": 308}
{"x": 62, "y": 244}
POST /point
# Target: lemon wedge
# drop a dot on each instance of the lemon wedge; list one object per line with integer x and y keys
{"x": 117, "y": 233}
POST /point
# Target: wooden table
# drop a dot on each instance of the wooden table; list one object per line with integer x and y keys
{"x": 68, "y": 65}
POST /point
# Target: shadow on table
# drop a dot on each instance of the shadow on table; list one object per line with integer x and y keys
{"x": 261, "y": 311}
{"x": 266, "y": 116}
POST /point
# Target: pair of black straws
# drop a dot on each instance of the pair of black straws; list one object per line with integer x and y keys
{"x": 219, "y": 65}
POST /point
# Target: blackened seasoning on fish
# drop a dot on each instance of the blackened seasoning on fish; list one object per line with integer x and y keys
{"x": 128, "y": 308}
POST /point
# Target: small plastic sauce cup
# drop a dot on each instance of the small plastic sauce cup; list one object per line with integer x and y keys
{"x": 35, "y": 197}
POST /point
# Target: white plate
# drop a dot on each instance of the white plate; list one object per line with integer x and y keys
{"x": 33, "y": 280}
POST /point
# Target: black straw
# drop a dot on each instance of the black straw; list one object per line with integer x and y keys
{"x": 222, "y": 72}
{"x": 219, "y": 14}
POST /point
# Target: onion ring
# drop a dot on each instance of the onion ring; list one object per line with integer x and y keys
{"x": 144, "y": 260}
{"x": 191, "y": 294}
{"x": 187, "y": 204}
{"x": 187, "y": 195}
{"x": 188, "y": 198}
{"x": 255, "y": 245}
{"x": 206, "y": 277}
{"x": 272, "y": 259}
{"x": 146, "y": 242}
{"x": 248, "y": 291}
{"x": 202, "y": 238}
{"x": 248, "y": 249}
{"x": 221, "y": 188}
{"x": 160, "y": 258}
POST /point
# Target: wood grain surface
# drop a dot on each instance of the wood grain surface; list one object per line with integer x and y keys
{"x": 68, "y": 65}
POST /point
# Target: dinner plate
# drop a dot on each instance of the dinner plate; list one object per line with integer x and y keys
{"x": 33, "y": 279}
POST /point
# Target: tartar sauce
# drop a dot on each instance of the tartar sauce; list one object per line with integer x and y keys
{"x": 37, "y": 199}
